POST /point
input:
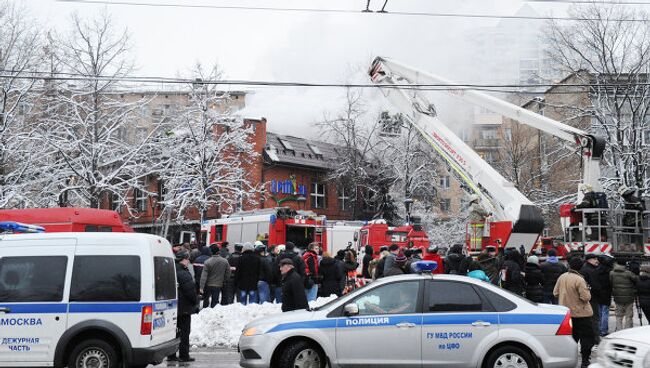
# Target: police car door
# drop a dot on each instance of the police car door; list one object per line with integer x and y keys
{"x": 456, "y": 320}
{"x": 34, "y": 283}
{"x": 386, "y": 332}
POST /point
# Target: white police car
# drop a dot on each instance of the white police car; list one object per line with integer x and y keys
{"x": 86, "y": 300}
{"x": 413, "y": 321}
{"x": 628, "y": 348}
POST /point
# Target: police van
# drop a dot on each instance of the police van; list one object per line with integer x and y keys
{"x": 86, "y": 300}
{"x": 415, "y": 320}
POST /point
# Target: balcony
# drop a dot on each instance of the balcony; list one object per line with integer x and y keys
{"x": 492, "y": 143}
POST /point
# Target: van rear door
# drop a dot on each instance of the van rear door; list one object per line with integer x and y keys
{"x": 165, "y": 305}
{"x": 33, "y": 300}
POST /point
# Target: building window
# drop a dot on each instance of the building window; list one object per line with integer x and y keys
{"x": 318, "y": 195}
{"x": 140, "y": 197}
{"x": 444, "y": 182}
{"x": 317, "y": 152}
{"x": 344, "y": 200}
{"x": 114, "y": 201}
{"x": 464, "y": 134}
{"x": 161, "y": 193}
{"x": 488, "y": 134}
{"x": 445, "y": 205}
{"x": 507, "y": 134}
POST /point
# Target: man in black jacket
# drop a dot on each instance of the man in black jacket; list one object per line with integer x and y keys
{"x": 187, "y": 305}
{"x": 590, "y": 272}
{"x": 288, "y": 253}
{"x": 551, "y": 269}
{"x": 248, "y": 274}
{"x": 605, "y": 298}
{"x": 293, "y": 290}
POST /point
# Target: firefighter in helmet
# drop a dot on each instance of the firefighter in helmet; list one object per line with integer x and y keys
{"x": 631, "y": 203}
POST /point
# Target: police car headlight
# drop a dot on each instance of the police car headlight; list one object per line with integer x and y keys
{"x": 258, "y": 330}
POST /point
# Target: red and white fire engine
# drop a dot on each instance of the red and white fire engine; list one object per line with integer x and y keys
{"x": 377, "y": 233}
{"x": 273, "y": 225}
{"x": 68, "y": 219}
{"x": 515, "y": 220}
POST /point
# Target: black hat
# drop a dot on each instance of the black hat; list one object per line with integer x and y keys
{"x": 575, "y": 263}
{"x": 214, "y": 248}
{"x": 239, "y": 247}
{"x": 552, "y": 253}
{"x": 289, "y": 245}
{"x": 590, "y": 256}
{"x": 383, "y": 248}
{"x": 393, "y": 247}
{"x": 286, "y": 261}
{"x": 182, "y": 254}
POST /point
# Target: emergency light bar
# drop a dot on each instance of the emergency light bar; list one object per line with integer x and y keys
{"x": 424, "y": 266}
{"x": 18, "y": 227}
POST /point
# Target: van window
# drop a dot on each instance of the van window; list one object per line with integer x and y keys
{"x": 105, "y": 279}
{"x": 165, "y": 273}
{"x": 32, "y": 279}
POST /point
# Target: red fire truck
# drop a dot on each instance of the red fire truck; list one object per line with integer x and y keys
{"x": 377, "y": 233}
{"x": 67, "y": 219}
{"x": 275, "y": 225}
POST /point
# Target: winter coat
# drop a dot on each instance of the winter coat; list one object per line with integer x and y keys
{"x": 393, "y": 270}
{"x": 298, "y": 265}
{"x": 187, "y": 297}
{"x": 590, "y": 273}
{"x": 643, "y": 289}
{"x": 389, "y": 262}
{"x": 511, "y": 278}
{"x": 199, "y": 264}
{"x": 490, "y": 266}
{"x": 366, "y": 263}
{"x": 310, "y": 258}
{"x": 479, "y": 275}
{"x": 573, "y": 293}
{"x": 435, "y": 257}
{"x": 266, "y": 268}
{"x": 233, "y": 261}
{"x": 605, "y": 295}
{"x": 623, "y": 284}
{"x": 248, "y": 272}
{"x": 379, "y": 270}
{"x": 215, "y": 271}
{"x": 293, "y": 292}
{"x": 551, "y": 270}
{"x": 456, "y": 264}
{"x": 534, "y": 283}
{"x": 331, "y": 275}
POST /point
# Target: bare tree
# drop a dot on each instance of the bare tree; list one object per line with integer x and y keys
{"x": 86, "y": 120}
{"x": 19, "y": 55}
{"x": 356, "y": 135}
{"x": 207, "y": 150}
{"x": 610, "y": 56}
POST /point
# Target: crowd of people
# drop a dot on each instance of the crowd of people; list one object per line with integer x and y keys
{"x": 257, "y": 273}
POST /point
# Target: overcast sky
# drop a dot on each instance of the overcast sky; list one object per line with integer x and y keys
{"x": 293, "y": 46}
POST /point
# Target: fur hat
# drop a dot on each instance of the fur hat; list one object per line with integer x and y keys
{"x": 533, "y": 259}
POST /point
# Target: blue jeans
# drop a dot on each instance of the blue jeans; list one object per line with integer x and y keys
{"x": 211, "y": 294}
{"x": 263, "y": 291}
{"x": 312, "y": 293}
{"x": 604, "y": 319}
{"x": 278, "y": 295}
{"x": 247, "y": 297}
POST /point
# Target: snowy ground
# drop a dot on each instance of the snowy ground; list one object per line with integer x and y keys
{"x": 221, "y": 326}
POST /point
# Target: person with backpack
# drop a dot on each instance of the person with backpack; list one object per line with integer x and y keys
{"x": 534, "y": 279}
{"x": 510, "y": 274}
{"x": 310, "y": 258}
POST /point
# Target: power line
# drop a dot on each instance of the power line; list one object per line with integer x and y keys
{"x": 499, "y": 88}
{"x": 343, "y": 11}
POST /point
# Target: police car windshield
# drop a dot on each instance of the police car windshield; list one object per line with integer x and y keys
{"x": 347, "y": 296}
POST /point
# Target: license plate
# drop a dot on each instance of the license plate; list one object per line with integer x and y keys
{"x": 159, "y": 322}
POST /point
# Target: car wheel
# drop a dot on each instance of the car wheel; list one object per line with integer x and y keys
{"x": 93, "y": 353}
{"x": 302, "y": 354}
{"x": 510, "y": 357}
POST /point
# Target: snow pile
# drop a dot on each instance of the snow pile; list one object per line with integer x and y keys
{"x": 222, "y": 325}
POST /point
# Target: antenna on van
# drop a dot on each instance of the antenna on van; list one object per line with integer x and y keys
{"x": 19, "y": 227}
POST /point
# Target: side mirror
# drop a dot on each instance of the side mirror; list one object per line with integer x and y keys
{"x": 351, "y": 309}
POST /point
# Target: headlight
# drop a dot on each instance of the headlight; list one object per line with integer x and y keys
{"x": 257, "y": 330}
